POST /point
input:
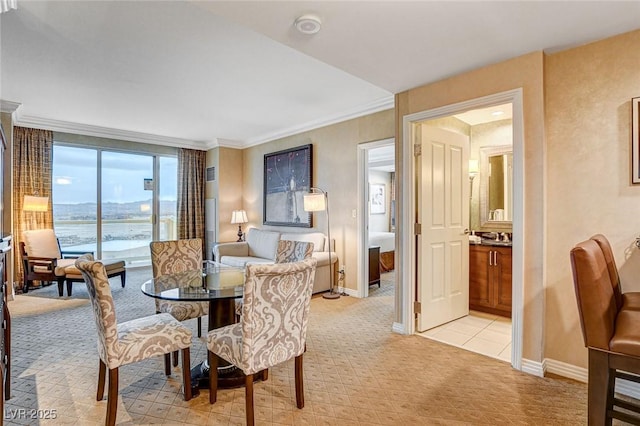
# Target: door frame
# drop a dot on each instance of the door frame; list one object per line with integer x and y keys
{"x": 363, "y": 208}
{"x": 409, "y": 186}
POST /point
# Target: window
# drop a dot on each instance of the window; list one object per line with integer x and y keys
{"x": 106, "y": 201}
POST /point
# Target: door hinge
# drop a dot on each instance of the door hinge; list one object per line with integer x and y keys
{"x": 417, "y": 307}
{"x": 417, "y": 229}
{"x": 417, "y": 149}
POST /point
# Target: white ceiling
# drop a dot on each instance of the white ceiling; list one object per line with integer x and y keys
{"x": 236, "y": 73}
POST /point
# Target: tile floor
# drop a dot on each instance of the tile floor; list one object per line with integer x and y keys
{"x": 478, "y": 332}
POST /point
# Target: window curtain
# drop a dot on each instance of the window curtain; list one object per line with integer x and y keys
{"x": 32, "y": 163}
{"x": 191, "y": 187}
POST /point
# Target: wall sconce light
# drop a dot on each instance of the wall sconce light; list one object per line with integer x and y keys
{"x": 474, "y": 169}
{"x": 239, "y": 217}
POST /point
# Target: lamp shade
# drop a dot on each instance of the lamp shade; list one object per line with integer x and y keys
{"x": 473, "y": 167}
{"x": 239, "y": 217}
{"x": 315, "y": 202}
{"x": 32, "y": 203}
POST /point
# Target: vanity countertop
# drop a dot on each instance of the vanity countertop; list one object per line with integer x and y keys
{"x": 486, "y": 242}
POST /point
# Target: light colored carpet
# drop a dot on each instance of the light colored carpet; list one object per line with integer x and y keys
{"x": 356, "y": 372}
{"x": 24, "y": 305}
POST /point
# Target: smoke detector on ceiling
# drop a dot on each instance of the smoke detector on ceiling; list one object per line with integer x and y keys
{"x": 308, "y": 24}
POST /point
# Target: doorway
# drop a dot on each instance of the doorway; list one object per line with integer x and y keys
{"x": 411, "y": 186}
{"x": 376, "y": 224}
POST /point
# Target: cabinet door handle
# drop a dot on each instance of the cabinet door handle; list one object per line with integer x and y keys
{"x": 490, "y": 258}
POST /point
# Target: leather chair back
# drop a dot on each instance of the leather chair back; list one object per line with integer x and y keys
{"x": 594, "y": 293}
{"x": 603, "y": 242}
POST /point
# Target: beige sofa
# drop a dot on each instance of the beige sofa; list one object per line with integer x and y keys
{"x": 260, "y": 247}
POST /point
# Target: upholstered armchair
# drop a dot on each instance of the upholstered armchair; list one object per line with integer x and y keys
{"x": 272, "y": 327}
{"x": 170, "y": 257}
{"x": 131, "y": 341}
{"x": 43, "y": 260}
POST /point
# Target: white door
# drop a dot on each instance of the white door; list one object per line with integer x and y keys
{"x": 443, "y": 246}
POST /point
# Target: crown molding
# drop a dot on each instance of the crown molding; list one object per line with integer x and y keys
{"x": 382, "y": 104}
{"x": 111, "y": 133}
{"x": 9, "y": 107}
{"x": 226, "y": 143}
{"x": 105, "y": 132}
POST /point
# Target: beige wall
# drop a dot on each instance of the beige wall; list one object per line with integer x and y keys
{"x": 588, "y": 110}
{"x": 524, "y": 72}
{"x": 226, "y": 189}
{"x": 334, "y": 170}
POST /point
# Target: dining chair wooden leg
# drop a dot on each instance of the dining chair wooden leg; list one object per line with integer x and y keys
{"x": 186, "y": 373}
{"x": 175, "y": 358}
{"x": 112, "y": 397}
{"x": 213, "y": 377}
{"x": 199, "y": 326}
{"x": 299, "y": 383}
{"x": 102, "y": 373}
{"x": 248, "y": 396}
{"x": 167, "y": 364}
{"x": 599, "y": 397}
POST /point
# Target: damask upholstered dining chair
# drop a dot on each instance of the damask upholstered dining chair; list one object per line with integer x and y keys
{"x": 288, "y": 251}
{"x": 170, "y": 257}
{"x": 293, "y": 251}
{"x": 272, "y": 327}
{"x": 131, "y": 341}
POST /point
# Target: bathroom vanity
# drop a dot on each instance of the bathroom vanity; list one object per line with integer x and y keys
{"x": 490, "y": 278}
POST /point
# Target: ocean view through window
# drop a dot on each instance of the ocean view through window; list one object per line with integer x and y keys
{"x": 112, "y": 203}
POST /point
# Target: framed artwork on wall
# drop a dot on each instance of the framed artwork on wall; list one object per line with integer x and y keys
{"x": 377, "y": 198}
{"x": 287, "y": 178}
{"x": 635, "y": 140}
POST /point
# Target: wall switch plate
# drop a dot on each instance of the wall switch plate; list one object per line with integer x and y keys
{"x": 354, "y": 213}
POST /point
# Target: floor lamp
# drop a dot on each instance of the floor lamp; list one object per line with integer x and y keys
{"x": 34, "y": 203}
{"x": 317, "y": 200}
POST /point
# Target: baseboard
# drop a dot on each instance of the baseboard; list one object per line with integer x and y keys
{"x": 623, "y": 387}
{"x": 398, "y": 328}
{"x": 563, "y": 369}
{"x": 533, "y": 367}
{"x": 350, "y": 292}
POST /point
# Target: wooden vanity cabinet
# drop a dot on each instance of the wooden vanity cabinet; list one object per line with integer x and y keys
{"x": 490, "y": 279}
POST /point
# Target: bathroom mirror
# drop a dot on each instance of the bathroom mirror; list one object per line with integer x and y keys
{"x": 496, "y": 186}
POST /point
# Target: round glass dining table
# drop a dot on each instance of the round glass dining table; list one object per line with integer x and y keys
{"x": 219, "y": 286}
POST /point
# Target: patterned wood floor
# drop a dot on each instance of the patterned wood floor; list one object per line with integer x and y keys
{"x": 357, "y": 372}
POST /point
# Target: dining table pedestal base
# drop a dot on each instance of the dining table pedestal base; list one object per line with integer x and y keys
{"x": 228, "y": 377}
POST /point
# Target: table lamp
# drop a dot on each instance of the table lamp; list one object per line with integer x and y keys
{"x": 239, "y": 217}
